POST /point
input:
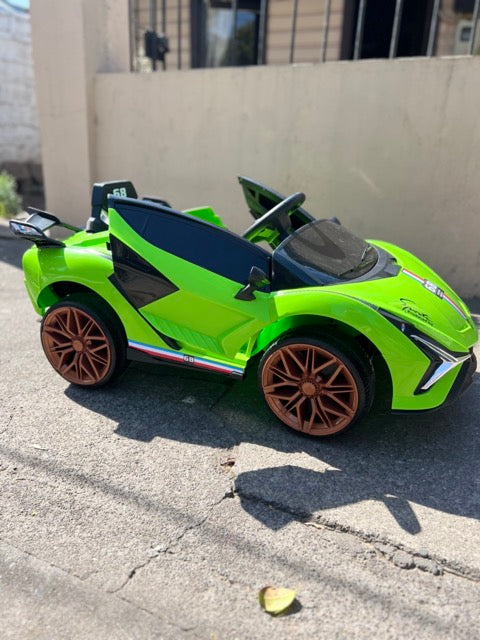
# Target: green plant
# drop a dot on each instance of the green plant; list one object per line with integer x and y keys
{"x": 10, "y": 201}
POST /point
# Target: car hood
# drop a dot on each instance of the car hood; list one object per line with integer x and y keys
{"x": 421, "y": 298}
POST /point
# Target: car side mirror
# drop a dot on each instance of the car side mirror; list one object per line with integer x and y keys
{"x": 256, "y": 280}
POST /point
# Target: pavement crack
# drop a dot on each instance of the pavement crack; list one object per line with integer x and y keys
{"x": 8, "y": 422}
{"x": 92, "y": 588}
{"x": 163, "y": 549}
{"x": 399, "y": 555}
{"x": 132, "y": 573}
{"x": 82, "y": 577}
{"x": 228, "y": 387}
{"x": 300, "y": 516}
{"x": 196, "y": 525}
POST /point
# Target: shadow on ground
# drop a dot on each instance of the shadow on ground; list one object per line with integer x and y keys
{"x": 428, "y": 459}
{"x": 474, "y": 305}
{"x": 11, "y": 250}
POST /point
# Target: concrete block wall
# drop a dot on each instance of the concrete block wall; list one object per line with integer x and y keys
{"x": 19, "y": 130}
{"x": 391, "y": 148}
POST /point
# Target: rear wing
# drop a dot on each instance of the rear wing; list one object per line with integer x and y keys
{"x": 35, "y": 226}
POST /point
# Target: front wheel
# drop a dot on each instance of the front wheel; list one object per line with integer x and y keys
{"x": 316, "y": 386}
{"x": 82, "y": 341}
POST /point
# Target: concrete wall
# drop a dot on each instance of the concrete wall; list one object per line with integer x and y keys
{"x": 73, "y": 40}
{"x": 19, "y": 131}
{"x": 391, "y": 147}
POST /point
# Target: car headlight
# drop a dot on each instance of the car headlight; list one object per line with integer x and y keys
{"x": 441, "y": 360}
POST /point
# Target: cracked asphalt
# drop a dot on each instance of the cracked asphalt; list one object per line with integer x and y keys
{"x": 158, "y": 507}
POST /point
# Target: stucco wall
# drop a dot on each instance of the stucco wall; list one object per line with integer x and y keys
{"x": 391, "y": 147}
{"x": 19, "y": 132}
{"x": 71, "y": 42}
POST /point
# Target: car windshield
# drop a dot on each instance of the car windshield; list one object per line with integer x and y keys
{"x": 327, "y": 247}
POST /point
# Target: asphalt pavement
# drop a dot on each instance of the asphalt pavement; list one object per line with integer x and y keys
{"x": 160, "y": 506}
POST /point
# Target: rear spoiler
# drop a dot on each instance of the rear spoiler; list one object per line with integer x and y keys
{"x": 34, "y": 227}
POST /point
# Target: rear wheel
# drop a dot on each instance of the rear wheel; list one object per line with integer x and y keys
{"x": 316, "y": 386}
{"x": 83, "y": 341}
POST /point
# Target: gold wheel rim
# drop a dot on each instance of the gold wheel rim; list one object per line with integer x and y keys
{"x": 76, "y": 345}
{"x": 310, "y": 389}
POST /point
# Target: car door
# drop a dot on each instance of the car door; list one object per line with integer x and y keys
{"x": 182, "y": 274}
{"x": 260, "y": 199}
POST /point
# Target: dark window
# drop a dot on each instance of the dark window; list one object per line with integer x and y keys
{"x": 465, "y": 34}
{"x": 378, "y": 25}
{"x": 464, "y": 6}
{"x": 222, "y": 37}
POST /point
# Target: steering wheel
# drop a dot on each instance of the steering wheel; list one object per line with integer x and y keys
{"x": 277, "y": 219}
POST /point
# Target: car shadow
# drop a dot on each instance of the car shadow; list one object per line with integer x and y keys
{"x": 429, "y": 459}
{"x": 12, "y": 250}
{"x": 474, "y": 305}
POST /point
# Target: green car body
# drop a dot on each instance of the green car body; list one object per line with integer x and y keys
{"x": 411, "y": 321}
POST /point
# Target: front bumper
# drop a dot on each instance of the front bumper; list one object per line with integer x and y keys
{"x": 441, "y": 362}
{"x": 463, "y": 380}
{"x": 445, "y": 373}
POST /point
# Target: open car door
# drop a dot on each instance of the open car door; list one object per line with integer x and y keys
{"x": 182, "y": 274}
{"x": 261, "y": 199}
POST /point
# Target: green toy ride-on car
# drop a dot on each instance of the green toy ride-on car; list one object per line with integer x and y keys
{"x": 326, "y": 310}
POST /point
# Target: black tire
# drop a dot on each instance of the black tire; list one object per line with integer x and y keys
{"x": 84, "y": 341}
{"x": 317, "y": 385}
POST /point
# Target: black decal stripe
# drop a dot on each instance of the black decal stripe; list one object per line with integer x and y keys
{"x": 142, "y": 282}
{"x": 171, "y": 342}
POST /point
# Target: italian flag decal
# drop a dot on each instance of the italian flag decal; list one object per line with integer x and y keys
{"x": 435, "y": 290}
{"x": 185, "y": 359}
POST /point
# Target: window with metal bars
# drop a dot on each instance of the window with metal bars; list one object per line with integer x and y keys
{"x": 227, "y": 33}
{"x": 371, "y": 28}
{"x": 179, "y": 34}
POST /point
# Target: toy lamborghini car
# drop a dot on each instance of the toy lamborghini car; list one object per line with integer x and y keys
{"x": 327, "y": 311}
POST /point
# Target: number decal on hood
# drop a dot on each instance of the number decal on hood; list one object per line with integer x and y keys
{"x": 430, "y": 286}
